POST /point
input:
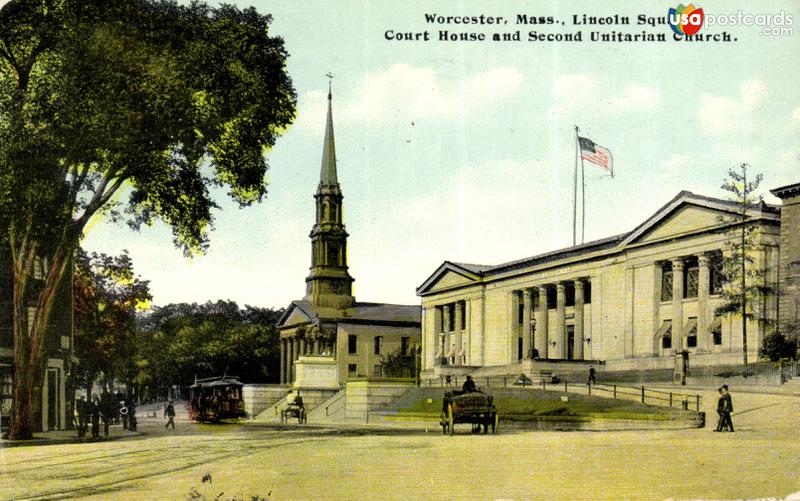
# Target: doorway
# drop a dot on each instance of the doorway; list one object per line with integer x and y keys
{"x": 53, "y": 399}
{"x": 570, "y": 342}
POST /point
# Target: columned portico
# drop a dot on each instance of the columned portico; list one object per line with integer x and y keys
{"x": 527, "y": 307}
{"x": 459, "y": 320}
{"x": 704, "y": 285}
{"x": 448, "y": 333}
{"x": 579, "y": 303}
{"x": 540, "y": 337}
{"x": 283, "y": 362}
{"x": 677, "y": 303}
{"x": 290, "y": 362}
{"x": 559, "y": 349}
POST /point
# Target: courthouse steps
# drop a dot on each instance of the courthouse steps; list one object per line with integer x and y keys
{"x": 312, "y": 398}
{"x": 332, "y": 409}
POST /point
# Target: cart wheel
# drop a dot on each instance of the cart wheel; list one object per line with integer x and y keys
{"x": 495, "y": 423}
{"x": 450, "y": 421}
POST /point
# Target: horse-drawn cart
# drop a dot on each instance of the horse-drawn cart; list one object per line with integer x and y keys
{"x": 294, "y": 411}
{"x": 475, "y": 408}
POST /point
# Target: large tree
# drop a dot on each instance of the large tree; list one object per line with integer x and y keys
{"x": 107, "y": 294}
{"x": 111, "y": 101}
{"x": 745, "y": 285}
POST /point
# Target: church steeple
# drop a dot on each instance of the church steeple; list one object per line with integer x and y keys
{"x": 327, "y": 175}
{"x": 329, "y": 283}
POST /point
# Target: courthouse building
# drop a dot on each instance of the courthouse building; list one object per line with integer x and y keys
{"x": 329, "y": 322}
{"x": 789, "y": 271}
{"x": 630, "y": 300}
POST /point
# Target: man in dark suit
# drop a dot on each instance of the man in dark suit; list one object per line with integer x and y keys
{"x": 169, "y": 413}
{"x": 720, "y": 410}
{"x": 727, "y": 424}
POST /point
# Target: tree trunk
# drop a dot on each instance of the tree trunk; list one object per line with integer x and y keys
{"x": 744, "y": 282}
{"x": 29, "y": 342}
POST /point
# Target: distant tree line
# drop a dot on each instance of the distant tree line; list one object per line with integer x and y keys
{"x": 120, "y": 340}
{"x": 180, "y": 342}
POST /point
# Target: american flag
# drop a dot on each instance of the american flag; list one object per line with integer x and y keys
{"x": 593, "y": 152}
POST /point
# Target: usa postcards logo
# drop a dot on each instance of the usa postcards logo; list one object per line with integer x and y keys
{"x": 686, "y": 19}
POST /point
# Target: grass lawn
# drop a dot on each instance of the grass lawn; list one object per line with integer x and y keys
{"x": 533, "y": 405}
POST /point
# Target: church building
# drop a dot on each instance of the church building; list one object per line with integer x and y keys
{"x": 328, "y": 322}
{"x": 631, "y": 301}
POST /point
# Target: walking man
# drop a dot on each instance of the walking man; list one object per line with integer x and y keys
{"x": 720, "y": 410}
{"x": 727, "y": 425}
{"x": 169, "y": 413}
{"x": 95, "y": 411}
{"x": 82, "y": 407}
{"x": 591, "y": 376}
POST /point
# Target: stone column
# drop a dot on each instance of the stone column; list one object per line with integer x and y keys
{"x": 526, "y": 323}
{"x": 459, "y": 317}
{"x": 283, "y": 361}
{"x": 578, "y": 320}
{"x": 290, "y": 361}
{"x": 703, "y": 290}
{"x": 302, "y": 347}
{"x": 442, "y": 346}
{"x": 447, "y": 332}
{"x": 540, "y": 337}
{"x": 677, "y": 303}
{"x": 561, "y": 317}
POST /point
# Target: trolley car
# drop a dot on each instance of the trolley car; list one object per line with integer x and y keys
{"x": 216, "y": 398}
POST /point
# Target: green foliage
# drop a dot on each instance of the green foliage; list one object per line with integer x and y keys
{"x": 745, "y": 284}
{"x": 182, "y": 341}
{"x": 399, "y": 364}
{"x": 106, "y": 295}
{"x": 776, "y": 346}
{"x": 147, "y": 102}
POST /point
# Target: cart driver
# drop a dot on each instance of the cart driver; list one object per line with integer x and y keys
{"x": 469, "y": 385}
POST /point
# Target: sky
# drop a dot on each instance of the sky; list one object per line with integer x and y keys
{"x": 465, "y": 151}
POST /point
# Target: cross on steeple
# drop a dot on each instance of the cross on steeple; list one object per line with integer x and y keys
{"x": 330, "y": 80}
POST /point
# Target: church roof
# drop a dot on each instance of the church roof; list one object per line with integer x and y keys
{"x": 359, "y": 313}
{"x": 327, "y": 176}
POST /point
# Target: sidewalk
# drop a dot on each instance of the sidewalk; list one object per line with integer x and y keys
{"x": 784, "y": 390}
{"x": 115, "y": 432}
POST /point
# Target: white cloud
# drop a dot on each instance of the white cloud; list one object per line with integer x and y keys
{"x": 637, "y": 98}
{"x": 676, "y": 163}
{"x": 722, "y": 114}
{"x": 419, "y": 92}
{"x": 796, "y": 116}
{"x": 408, "y": 92}
{"x": 577, "y": 86}
{"x": 572, "y": 91}
{"x": 579, "y": 92}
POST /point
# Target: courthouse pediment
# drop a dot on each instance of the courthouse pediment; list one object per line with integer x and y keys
{"x": 686, "y": 213}
{"x": 450, "y": 275}
{"x": 685, "y": 219}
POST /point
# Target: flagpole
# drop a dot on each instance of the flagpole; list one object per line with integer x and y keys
{"x": 575, "y": 188}
{"x": 583, "y": 201}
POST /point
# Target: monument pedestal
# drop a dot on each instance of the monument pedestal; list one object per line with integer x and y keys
{"x": 316, "y": 373}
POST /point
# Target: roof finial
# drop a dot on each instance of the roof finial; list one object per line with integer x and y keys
{"x": 330, "y": 79}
